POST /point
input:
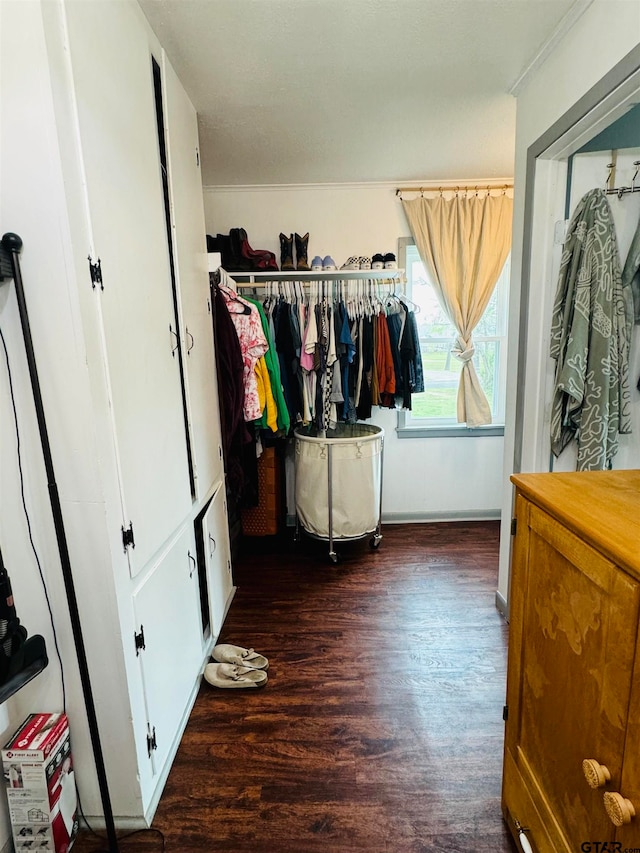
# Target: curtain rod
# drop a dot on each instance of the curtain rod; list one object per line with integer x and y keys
{"x": 440, "y": 188}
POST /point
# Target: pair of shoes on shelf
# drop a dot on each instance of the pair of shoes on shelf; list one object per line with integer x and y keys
{"x": 326, "y": 263}
{"x": 260, "y": 259}
{"x": 362, "y": 263}
{"x": 286, "y": 252}
{"x": 237, "y": 255}
{"x": 384, "y": 262}
{"x": 236, "y": 667}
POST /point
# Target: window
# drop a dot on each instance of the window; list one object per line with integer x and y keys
{"x": 434, "y": 410}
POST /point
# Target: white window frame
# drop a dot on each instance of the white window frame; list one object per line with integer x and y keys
{"x": 412, "y": 427}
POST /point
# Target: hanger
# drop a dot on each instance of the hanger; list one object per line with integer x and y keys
{"x": 392, "y": 300}
{"x": 404, "y": 298}
{"x": 226, "y": 286}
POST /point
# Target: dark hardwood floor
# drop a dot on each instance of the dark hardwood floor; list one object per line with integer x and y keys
{"x": 380, "y": 728}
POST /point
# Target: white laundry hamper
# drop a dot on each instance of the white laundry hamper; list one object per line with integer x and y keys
{"x": 339, "y": 482}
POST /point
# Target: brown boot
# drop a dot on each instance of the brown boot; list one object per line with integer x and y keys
{"x": 286, "y": 252}
{"x": 302, "y": 244}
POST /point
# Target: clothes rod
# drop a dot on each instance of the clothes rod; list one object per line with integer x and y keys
{"x": 252, "y": 278}
{"x": 455, "y": 188}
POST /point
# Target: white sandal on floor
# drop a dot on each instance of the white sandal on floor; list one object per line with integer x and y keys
{"x": 226, "y": 653}
{"x": 227, "y": 675}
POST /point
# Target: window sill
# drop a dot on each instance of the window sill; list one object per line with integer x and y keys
{"x": 450, "y": 431}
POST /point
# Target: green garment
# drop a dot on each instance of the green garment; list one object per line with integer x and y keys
{"x": 273, "y": 368}
{"x": 631, "y": 274}
{"x": 590, "y": 339}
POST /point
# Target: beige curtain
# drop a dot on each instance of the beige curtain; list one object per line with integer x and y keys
{"x": 463, "y": 243}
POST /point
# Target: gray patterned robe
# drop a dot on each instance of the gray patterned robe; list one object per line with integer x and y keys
{"x": 590, "y": 334}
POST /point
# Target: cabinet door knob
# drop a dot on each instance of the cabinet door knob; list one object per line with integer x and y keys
{"x": 596, "y": 774}
{"x": 619, "y": 809}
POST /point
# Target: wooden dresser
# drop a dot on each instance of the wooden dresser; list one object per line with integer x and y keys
{"x": 572, "y": 738}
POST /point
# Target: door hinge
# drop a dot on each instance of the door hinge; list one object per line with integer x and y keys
{"x": 505, "y": 713}
{"x": 127, "y": 537}
{"x": 95, "y": 268}
{"x": 139, "y": 640}
{"x": 151, "y": 740}
{"x": 514, "y": 526}
{"x": 197, "y": 158}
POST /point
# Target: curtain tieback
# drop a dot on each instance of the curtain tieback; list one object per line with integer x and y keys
{"x": 463, "y": 349}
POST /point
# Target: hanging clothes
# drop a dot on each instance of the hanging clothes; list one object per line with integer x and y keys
{"x": 407, "y": 359}
{"x": 335, "y": 350}
{"x": 417, "y": 373}
{"x": 631, "y": 276}
{"x": 253, "y": 344}
{"x": 385, "y": 372}
{"x": 269, "y": 419}
{"x": 282, "y": 421}
{"x": 237, "y": 442}
{"x": 590, "y": 339}
{"x": 346, "y": 360}
{"x": 288, "y": 349}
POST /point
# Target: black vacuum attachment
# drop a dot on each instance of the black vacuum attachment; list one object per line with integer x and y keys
{"x": 21, "y": 657}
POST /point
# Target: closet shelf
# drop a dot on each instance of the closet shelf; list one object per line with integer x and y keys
{"x": 317, "y": 275}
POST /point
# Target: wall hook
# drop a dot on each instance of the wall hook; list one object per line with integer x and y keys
{"x": 610, "y": 167}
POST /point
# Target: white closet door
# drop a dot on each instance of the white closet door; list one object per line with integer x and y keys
{"x": 113, "y": 82}
{"x": 218, "y": 557}
{"x": 187, "y": 206}
{"x": 167, "y": 612}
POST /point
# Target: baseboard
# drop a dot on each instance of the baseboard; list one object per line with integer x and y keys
{"x": 425, "y": 517}
{"x": 122, "y": 824}
{"x": 451, "y": 515}
{"x": 502, "y": 605}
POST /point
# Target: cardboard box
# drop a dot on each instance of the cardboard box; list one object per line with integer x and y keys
{"x": 40, "y": 783}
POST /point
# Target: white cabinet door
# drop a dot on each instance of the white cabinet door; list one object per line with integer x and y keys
{"x": 218, "y": 557}
{"x": 187, "y": 208}
{"x": 167, "y": 612}
{"x": 113, "y": 85}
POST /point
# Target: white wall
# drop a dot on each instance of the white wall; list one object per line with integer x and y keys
{"x": 30, "y": 193}
{"x": 578, "y": 62}
{"x": 432, "y": 478}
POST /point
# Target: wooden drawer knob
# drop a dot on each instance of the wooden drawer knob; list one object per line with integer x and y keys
{"x": 619, "y": 809}
{"x": 596, "y": 774}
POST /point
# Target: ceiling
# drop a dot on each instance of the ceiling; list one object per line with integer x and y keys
{"x": 341, "y": 91}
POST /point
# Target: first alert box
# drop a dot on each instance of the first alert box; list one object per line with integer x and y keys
{"x": 40, "y": 782}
